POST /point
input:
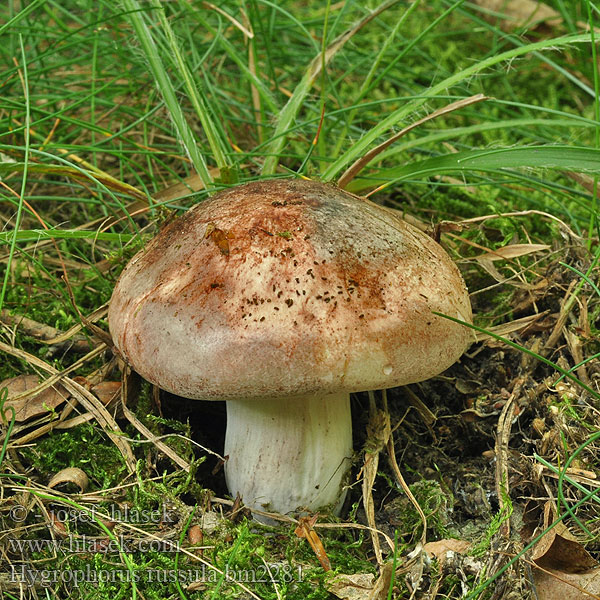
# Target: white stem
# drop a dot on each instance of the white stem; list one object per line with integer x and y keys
{"x": 289, "y": 454}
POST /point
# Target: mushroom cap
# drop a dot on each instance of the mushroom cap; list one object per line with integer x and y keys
{"x": 288, "y": 287}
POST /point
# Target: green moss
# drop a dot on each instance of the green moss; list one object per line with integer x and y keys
{"x": 84, "y": 446}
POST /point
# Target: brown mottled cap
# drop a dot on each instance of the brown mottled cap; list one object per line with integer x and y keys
{"x": 286, "y": 287}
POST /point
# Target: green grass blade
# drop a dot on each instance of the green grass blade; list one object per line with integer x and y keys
{"x": 291, "y": 109}
{"x": 40, "y": 235}
{"x": 460, "y": 133}
{"x": 364, "y": 142}
{"x": 593, "y": 212}
{"x": 74, "y": 172}
{"x": 235, "y": 56}
{"x": 564, "y": 158}
{"x": 12, "y": 235}
{"x": 198, "y": 102}
{"x": 21, "y": 15}
{"x": 167, "y": 90}
{"x": 373, "y": 71}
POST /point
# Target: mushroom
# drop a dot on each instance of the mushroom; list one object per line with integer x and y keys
{"x": 282, "y": 297}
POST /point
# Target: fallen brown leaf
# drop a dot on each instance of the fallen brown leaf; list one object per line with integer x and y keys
{"x": 559, "y": 549}
{"x": 512, "y": 251}
{"x": 518, "y": 13}
{"x": 305, "y": 530}
{"x": 565, "y": 569}
{"x": 441, "y": 548}
{"x": 357, "y": 586}
{"x": 35, "y": 405}
{"x": 219, "y": 237}
{"x": 556, "y": 585}
{"x": 106, "y": 391}
{"x": 362, "y": 586}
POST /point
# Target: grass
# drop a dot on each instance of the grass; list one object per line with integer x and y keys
{"x": 115, "y": 117}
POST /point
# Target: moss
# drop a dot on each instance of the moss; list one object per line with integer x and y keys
{"x": 85, "y": 447}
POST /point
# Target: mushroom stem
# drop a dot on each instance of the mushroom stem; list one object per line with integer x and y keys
{"x": 289, "y": 454}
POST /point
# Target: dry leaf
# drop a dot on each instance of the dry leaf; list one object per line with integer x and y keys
{"x": 195, "y": 535}
{"x": 489, "y": 266}
{"x": 305, "y": 530}
{"x": 106, "y": 391}
{"x": 559, "y": 549}
{"x": 556, "y": 585}
{"x": 441, "y": 548}
{"x": 384, "y": 581}
{"x": 566, "y": 571}
{"x": 31, "y": 406}
{"x": 362, "y": 586}
{"x": 70, "y": 475}
{"x": 512, "y": 251}
{"x": 505, "y": 328}
{"x": 584, "y": 180}
{"x": 357, "y": 586}
{"x": 519, "y": 13}
{"x": 57, "y": 525}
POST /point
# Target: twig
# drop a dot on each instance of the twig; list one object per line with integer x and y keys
{"x": 502, "y": 441}
{"x": 364, "y": 160}
{"x": 42, "y": 332}
{"x": 143, "y": 429}
{"x": 379, "y": 432}
{"x": 86, "y": 399}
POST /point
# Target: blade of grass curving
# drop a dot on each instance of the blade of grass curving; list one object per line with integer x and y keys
{"x": 562, "y": 477}
{"x": 361, "y": 146}
{"x": 583, "y": 276}
{"x": 463, "y": 132}
{"x": 108, "y": 181}
{"x": 574, "y": 368}
{"x": 558, "y": 471}
{"x": 476, "y": 593}
{"x": 13, "y": 235}
{"x": 593, "y": 212}
{"x": 28, "y": 9}
{"x": 516, "y": 346}
{"x": 566, "y": 120}
{"x": 240, "y": 61}
{"x": 516, "y": 41}
{"x": 293, "y": 105}
{"x": 371, "y": 74}
{"x": 565, "y": 158}
{"x": 414, "y": 42}
{"x": 364, "y": 160}
{"x": 195, "y": 96}
{"x": 7, "y": 422}
{"x": 165, "y": 87}
{"x": 105, "y": 181}
{"x": 38, "y": 235}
